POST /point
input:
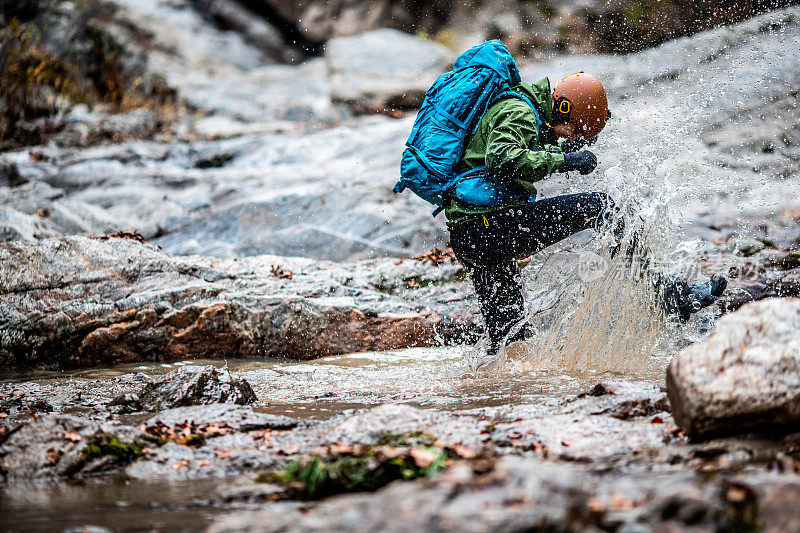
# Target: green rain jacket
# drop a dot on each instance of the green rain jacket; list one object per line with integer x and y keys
{"x": 503, "y": 143}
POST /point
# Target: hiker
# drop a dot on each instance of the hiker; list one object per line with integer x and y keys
{"x": 489, "y": 240}
{"x": 526, "y": 132}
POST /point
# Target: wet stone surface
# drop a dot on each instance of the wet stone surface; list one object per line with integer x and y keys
{"x": 606, "y": 455}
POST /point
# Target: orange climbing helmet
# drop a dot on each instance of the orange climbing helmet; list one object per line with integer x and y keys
{"x": 581, "y": 100}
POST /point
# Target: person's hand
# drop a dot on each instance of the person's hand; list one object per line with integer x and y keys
{"x": 583, "y": 161}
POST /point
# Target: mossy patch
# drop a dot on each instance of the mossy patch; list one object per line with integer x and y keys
{"x": 53, "y": 56}
{"x": 787, "y": 262}
{"x": 409, "y": 438}
{"x": 103, "y": 445}
{"x": 404, "y": 456}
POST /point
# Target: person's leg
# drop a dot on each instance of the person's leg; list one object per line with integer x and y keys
{"x": 488, "y": 249}
{"x": 525, "y": 230}
{"x": 499, "y": 290}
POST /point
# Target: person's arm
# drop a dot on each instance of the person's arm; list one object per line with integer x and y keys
{"x": 508, "y": 155}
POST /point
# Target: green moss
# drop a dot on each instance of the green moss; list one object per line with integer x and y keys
{"x": 410, "y": 438}
{"x": 194, "y": 440}
{"x": 318, "y": 476}
{"x": 103, "y": 444}
{"x": 37, "y": 75}
{"x": 461, "y": 276}
{"x": 787, "y": 262}
{"x": 27, "y": 71}
{"x": 695, "y": 516}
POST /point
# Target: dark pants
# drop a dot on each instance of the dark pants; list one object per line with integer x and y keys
{"x": 489, "y": 249}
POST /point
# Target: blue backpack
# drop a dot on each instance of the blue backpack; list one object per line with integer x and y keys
{"x": 452, "y": 110}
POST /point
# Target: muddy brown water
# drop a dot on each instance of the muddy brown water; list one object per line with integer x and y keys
{"x": 428, "y": 378}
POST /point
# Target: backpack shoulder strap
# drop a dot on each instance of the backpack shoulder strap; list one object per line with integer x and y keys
{"x": 515, "y": 94}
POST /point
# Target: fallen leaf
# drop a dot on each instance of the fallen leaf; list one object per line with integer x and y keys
{"x": 675, "y": 431}
{"x": 291, "y": 450}
{"x": 279, "y": 272}
{"x": 657, "y": 420}
{"x": 740, "y": 492}
{"x": 620, "y": 503}
{"x": 390, "y": 452}
{"x": 214, "y": 429}
{"x": 180, "y": 464}
{"x": 565, "y": 443}
{"x": 422, "y": 458}
{"x": 53, "y": 455}
{"x": 342, "y": 449}
{"x": 3, "y": 415}
{"x": 437, "y": 256}
{"x": 596, "y": 506}
{"x": 223, "y": 454}
{"x": 205, "y": 463}
{"x": 465, "y": 452}
{"x": 72, "y": 436}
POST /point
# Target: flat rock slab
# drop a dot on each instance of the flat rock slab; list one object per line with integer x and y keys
{"x": 235, "y": 417}
{"x": 745, "y": 377}
{"x": 384, "y": 67}
{"x": 77, "y": 302}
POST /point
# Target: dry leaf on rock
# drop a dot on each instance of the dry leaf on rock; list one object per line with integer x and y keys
{"x": 72, "y": 436}
{"x": 422, "y": 458}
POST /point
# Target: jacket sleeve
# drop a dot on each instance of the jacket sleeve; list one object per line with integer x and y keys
{"x": 512, "y": 132}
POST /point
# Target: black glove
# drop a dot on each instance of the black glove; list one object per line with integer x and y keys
{"x": 583, "y": 161}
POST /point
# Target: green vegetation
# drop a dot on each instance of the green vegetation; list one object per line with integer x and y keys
{"x": 410, "y": 438}
{"x": 103, "y": 444}
{"x": 787, "y": 262}
{"x": 365, "y": 468}
{"x": 52, "y": 56}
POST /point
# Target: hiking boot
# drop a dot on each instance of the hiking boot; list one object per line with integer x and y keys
{"x": 682, "y": 299}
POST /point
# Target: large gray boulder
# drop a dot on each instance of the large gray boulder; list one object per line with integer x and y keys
{"x": 384, "y": 68}
{"x": 79, "y": 301}
{"x": 746, "y": 376}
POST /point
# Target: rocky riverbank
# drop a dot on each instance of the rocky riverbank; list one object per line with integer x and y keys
{"x": 610, "y": 457}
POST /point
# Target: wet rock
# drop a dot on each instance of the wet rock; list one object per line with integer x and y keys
{"x": 384, "y": 68}
{"x": 778, "y": 508}
{"x": 115, "y": 300}
{"x": 195, "y": 385}
{"x": 63, "y": 446}
{"x": 10, "y": 176}
{"x": 744, "y": 377}
{"x": 236, "y": 418}
{"x": 126, "y": 403}
{"x": 246, "y": 494}
{"x": 620, "y": 399}
{"x": 369, "y": 426}
{"x": 545, "y": 496}
{"x": 15, "y": 225}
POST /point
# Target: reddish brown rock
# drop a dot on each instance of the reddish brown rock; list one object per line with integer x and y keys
{"x": 114, "y": 301}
